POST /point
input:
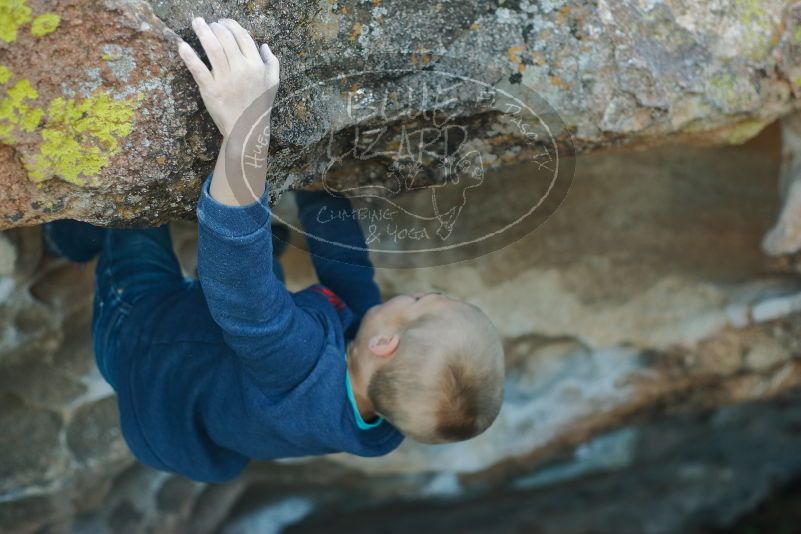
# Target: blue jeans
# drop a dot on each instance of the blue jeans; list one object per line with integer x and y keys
{"x": 132, "y": 263}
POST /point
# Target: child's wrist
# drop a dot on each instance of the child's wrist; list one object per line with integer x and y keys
{"x": 231, "y": 151}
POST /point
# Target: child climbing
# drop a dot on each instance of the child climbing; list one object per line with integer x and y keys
{"x": 215, "y": 371}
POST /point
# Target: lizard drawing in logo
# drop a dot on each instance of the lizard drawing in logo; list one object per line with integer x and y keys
{"x": 412, "y": 161}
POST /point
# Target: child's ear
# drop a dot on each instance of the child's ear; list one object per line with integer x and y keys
{"x": 383, "y": 346}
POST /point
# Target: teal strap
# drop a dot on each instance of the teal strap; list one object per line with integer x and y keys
{"x": 361, "y": 423}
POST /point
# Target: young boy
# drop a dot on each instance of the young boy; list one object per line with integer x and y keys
{"x": 214, "y": 372}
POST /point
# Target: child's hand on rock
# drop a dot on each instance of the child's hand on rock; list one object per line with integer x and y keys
{"x": 240, "y": 72}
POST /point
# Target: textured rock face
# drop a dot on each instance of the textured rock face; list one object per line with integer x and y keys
{"x": 653, "y": 378}
{"x": 92, "y": 118}
{"x": 99, "y": 121}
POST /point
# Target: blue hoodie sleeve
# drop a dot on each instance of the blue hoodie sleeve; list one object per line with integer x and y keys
{"x": 277, "y": 341}
{"x": 330, "y": 223}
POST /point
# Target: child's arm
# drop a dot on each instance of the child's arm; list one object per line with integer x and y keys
{"x": 241, "y": 75}
{"x": 277, "y": 341}
{"x": 346, "y": 270}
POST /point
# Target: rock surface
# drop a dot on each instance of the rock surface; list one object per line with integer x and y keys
{"x": 785, "y": 237}
{"x": 100, "y": 122}
{"x": 653, "y": 378}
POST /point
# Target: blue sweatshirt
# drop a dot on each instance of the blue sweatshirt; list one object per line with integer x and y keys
{"x": 236, "y": 367}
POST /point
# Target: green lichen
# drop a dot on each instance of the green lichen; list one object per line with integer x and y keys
{"x": 728, "y": 92}
{"x": 722, "y": 88}
{"x": 743, "y": 131}
{"x": 13, "y": 14}
{"x": 757, "y": 28}
{"x": 798, "y": 81}
{"x": 16, "y": 112}
{"x": 797, "y": 35}
{"x": 80, "y": 137}
{"x": 750, "y": 9}
{"x": 5, "y": 74}
{"x": 44, "y": 24}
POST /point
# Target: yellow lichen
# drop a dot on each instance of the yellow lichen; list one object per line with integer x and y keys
{"x": 726, "y": 91}
{"x": 750, "y": 10}
{"x": 743, "y": 131}
{"x": 44, "y": 24}
{"x": 80, "y": 136}
{"x": 15, "y": 112}
{"x": 5, "y": 74}
{"x": 13, "y": 14}
{"x": 757, "y": 27}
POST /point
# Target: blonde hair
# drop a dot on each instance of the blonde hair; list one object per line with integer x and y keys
{"x": 445, "y": 383}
